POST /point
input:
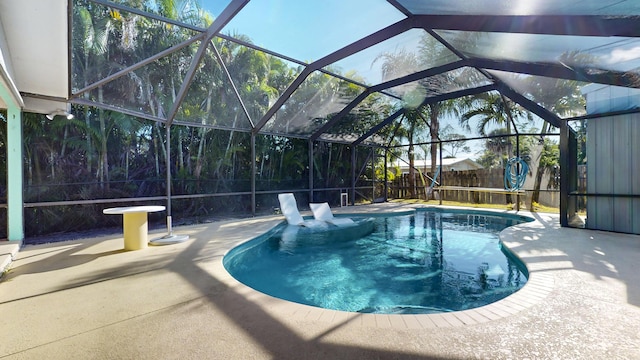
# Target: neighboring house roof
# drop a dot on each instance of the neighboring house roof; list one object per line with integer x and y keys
{"x": 448, "y": 164}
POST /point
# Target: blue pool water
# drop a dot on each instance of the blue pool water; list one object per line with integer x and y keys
{"x": 425, "y": 262}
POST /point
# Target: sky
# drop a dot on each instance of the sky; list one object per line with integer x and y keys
{"x": 307, "y": 31}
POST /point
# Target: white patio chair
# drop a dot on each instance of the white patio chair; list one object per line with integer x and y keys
{"x": 322, "y": 212}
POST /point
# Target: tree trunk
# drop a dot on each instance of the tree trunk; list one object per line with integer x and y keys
{"x": 536, "y": 187}
{"x": 87, "y": 121}
{"x": 126, "y": 164}
{"x": 535, "y": 197}
{"x": 412, "y": 169}
{"x": 434, "y": 129}
{"x": 37, "y": 168}
{"x": 65, "y": 136}
{"x": 29, "y": 166}
{"x": 103, "y": 172}
{"x": 328, "y": 173}
{"x": 281, "y": 164}
{"x": 157, "y": 148}
{"x": 179, "y": 149}
{"x": 198, "y": 168}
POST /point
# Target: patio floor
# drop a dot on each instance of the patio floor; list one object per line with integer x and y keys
{"x": 89, "y": 299}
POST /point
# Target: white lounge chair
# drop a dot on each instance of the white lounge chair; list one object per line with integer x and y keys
{"x": 289, "y": 209}
{"x": 299, "y": 229}
{"x": 322, "y": 212}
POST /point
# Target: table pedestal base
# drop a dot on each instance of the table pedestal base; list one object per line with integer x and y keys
{"x": 134, "y": 224}
{"x": 135, "y": 230}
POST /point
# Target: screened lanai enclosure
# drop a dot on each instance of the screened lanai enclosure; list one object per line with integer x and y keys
{"x": 232, "y": 102}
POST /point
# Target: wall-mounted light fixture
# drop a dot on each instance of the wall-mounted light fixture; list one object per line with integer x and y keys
{"x": 64, "y": 113}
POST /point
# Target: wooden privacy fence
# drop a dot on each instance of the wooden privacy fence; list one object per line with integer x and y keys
{"x": 485, "y": 178}
{"x": 549, "y": 194}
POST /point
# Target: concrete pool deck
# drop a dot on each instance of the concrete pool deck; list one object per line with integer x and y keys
{"x": 89, "y": 299}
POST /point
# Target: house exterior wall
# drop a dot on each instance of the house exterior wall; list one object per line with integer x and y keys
{"x": 15, "y": 216}
{"x": 613, "y": 174}
{"x": 11, "y": 101}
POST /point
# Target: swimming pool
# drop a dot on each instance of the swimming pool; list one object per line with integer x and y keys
{"x": 427, "y": 261}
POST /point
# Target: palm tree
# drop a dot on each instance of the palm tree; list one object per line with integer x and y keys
{"x": 91, "y": 33}
{"x": 492, "y": 109}
{"x": 396, "y": 65}
{"x": 559, "y": 96}
{"x": 431, "y": 53}
{"x": 488, "y": 109}
{"x": 496, "y": 146}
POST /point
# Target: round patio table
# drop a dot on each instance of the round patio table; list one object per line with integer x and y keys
{"x": 135, "y": 227}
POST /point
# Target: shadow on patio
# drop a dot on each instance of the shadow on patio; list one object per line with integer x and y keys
{"x": 87, "y": 271}
{"x": 585, "y": 255}
{"x": 84, "y": 297}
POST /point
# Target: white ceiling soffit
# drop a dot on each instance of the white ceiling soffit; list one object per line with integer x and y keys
{"x": 37, "y": 41}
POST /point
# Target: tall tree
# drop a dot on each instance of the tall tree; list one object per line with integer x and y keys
{"x": 92, "y": 29}
{"x": 562, "y": 97}
{"x": 419, "y": 116}
{"x": 456, "y": 143}
{"x": 395, "y": 65}
{"x": 491, "y": 112}
{"x": 492, "y": 109}
{"x": 495, "y": 149}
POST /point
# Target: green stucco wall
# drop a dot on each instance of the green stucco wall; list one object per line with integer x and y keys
{"x": 15, "y": 213}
